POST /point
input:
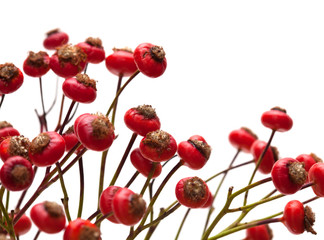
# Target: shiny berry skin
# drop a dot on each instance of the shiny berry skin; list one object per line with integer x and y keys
{"x": 158, "y": 146}
{"x": 142, "y": 119}
{"x": 298, "y": 218}
{"x": 194, "y": 152}
{"x": 6, "y": 130}
{"x": 55, "y": 38}
{"x": 316, "y": 176}
{"x": 48, "y": 216}
{"x": 128, "y": 207}
{"x": 11, "y": 78}
{"x": 144, "y": 165}
{"x": 192, "y": 192}
{"x": 150, "y": 59}
{"x": 71, "y": 140}
{"x": 277, "y": 119}
{"x": 94, "y": 131}
{"x": 23, "y": 225}
{"x": 242, "y": 139}
{"x": 210, "y": 201}
{"x": 16, "y": 173}
{"x": 36, "y": 64}
{"x": 308, "y": 159}
{"x": 80, "y": 88}
{"x": 288, "y": 175}
{"x": 94, "y": 50}
{"x": 121, "y": 62}
{"x": 269, "y": 158}
{"x": 105, "y": 202}
{"x": 79, "y": 229}
{"x": 68, "y": 61}
{"x": 261, "y": 232}
{"x": 14, "y": 146}
{"x": 46, "y": 149}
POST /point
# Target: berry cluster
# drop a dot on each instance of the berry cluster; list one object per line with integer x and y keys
{"x": 57, "y": 151}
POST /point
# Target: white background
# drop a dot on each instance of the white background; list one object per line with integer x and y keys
{"x": 228, "y": 62}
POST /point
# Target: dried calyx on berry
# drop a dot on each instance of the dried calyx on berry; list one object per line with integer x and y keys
{"x": 11, "y": 78}
{"x": 14, "y": 146}
{"x": 37, "y": 59}
{"x": 95, "y": 42}
{"x": 72, "y": 54}
{"x": 8, "y": 71}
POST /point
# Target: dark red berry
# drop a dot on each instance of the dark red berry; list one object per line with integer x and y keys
{"x": 277, "y": 119}
{"x": 14, "y": 146}
{"x": 36, "y": 64}
{"x": 142, "y": 119}
{"x": 105, "y": 202}
{"x": 270, "y": 157}
{"x": 144, "y": 165}
{"x": 6, "y": 130}
{"x": 94, "y": 50}
{"x": 81, "y": 229}
{"x": 11, "y": 78}
{"x": 261, "y": 232}
{"x": 242, "y": 139}
{"x": 121, "y": 62}
{"x": 150, "y": 59}
{"x": 55, "y": 38}
{"x": 23, "y": 225}
{"x": 316, "y": 176}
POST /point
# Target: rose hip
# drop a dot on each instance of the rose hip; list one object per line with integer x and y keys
{"x": 55, "y": 38}
{"x": 11, "y": 78}
{"x": 269, "y": 158}
{"x": 80, "y": 229}
{"x": 277, "y": 119}
{"x": 23, "y": 225}
{"x": 94, "y": 50}
{"x": 316, "y": 176}
{"x": 262, "y": 232}
{"x": 144, "y": 165}
{"x": 14, "y": 146}
{"x": 242, "y": 139}
{"x": 6, "y": 130}
{"x": 121, "y": 62}
{"x": 105, "y": 202}
{"x": 36, "y": 64}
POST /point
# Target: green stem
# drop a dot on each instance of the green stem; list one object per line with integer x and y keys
{"x": 182, "y": 223}
{"x": 120, "y": 78}
{"x": 65, "y": 200}
{"x": 148, "y": 179}
{"x": 81, "y": 172}
{"x": 9, "y": 222}
{"x": 102, "y": 173}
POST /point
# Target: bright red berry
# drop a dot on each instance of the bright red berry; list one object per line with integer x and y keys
{"x": 11, "y": 78}
{"x": 144, "y": 165}
{"x": 194, "y": 152}
{"x": 6, "y": 130}
{"x": 158, "y": 146}
{"x": 14, "y": 146}
{"x": 121, "y": 62}
{"x": 142, "y": 119}
{"x": 71, "y": 140}
{"x": 192, "y": 192}
{"x": 261, "y": 232}
{"x": 46, "y": 149}
{"x": 269, "y": 158}
{"x": 94, "y": 50}
{"x": 16, "y": 173}
{"x": 308, "y": 159}
{"x": 209, "y": 202}
{"x": 297, "y": 219}
{"x": 48, "y": 216}
{"x": 316, "y": 176}
{"x": 36, "y": 64}
{"x": 55, "y": 38}
{"x": 150, "y": 59}
{"x": 242, "y": 139}
{"x": 105, "y": 202}
{"x": 68, "y": 61}
{"x": 288, "y": 175}
{"x": 80, "y": 88}
{"x": 277, "y": 119}
{"x": 94, "y": 131}
{"x": 23, "y": 225}
{"x": 80, "y": 229}
{"x": 128, "y": 207}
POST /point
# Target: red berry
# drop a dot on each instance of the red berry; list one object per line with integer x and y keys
{"x": 277, "y": 119}
{"x": 142, "y": 119}
{"x": 55, "y": 38}
{"x": 71, "y": 140}
{"x": 194, "y": 152}
{"x": 36, "y": 64}
{"x": 16, "y": 173}
{"x": 308, "y": 159}
{"x": 14, "y": 146}
{"x": 68, "y": 61}
{"x": 158, "y": 146}
{"x": 192, "y": 192}
{"x": 288, "y": 175}
{"x": 150, "y": 59}
{"x": 80, "y": 88}
{"x": 46, "y": 149}
{"x": 94, "y": 131}
{"x": 23, "y": 225}
{"x": 144, "y": 165}
{"x": 94, "y": 50}
{"x": 48, "y": 216}
{"x": 269, "y": 158}
{"x": 297, "y": 219}
{"x": 242, "y": 139}
{"x": 105, "y": 202}
{"x": 209, "y": 202}
{"x": 6, "y": 130}
{"x": 128, "y": 207}
{"x": 121, "y": 62}
{"x": 316, "y": 176}
{"x": 261, "y": 232}
{"x": 11, "y": 78}
{"x": 80, "y": 229}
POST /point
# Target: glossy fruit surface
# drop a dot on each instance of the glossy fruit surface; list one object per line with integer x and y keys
{"x": 142, "y": 119}
{"x": 210, "y": 201}
{"x": 105, "y": 202}
{"x": 277, "y": 119}
{"x": 308, "y": 159}
{"x": 194, "y": 152}
{"x": 192, "y": 192}
{"x": 71, "y": 140}
{"x": 46, "y": 149}
{"x": 121, "y": 62}
{"x": 316, "y": 175}
{"x": 242, "y": 139}
{"x": 6, "y": 130}
{"x": 293, "y": 217}
{"x": 158, "y": 146}
{"x": 48, "y": 216}
{"x": 55, "y": 38}
{"x": 11, "y": 78}
{"x": 128, "y": 207}
{"x": 80, "y": 229}
{"x": 262, "y": 232}
{"x": 268, "y": 159}
{"x": 36, "y": 64}
{"x": 94, "y": 50}
{"x": 80, "y": 88}
{"x": 16, "y": 173}
{"x": 14, "y": 146}
{"x": 150, "y": 59}
{"x": 23, "y": 225}
{"x": 144, "y": 165}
